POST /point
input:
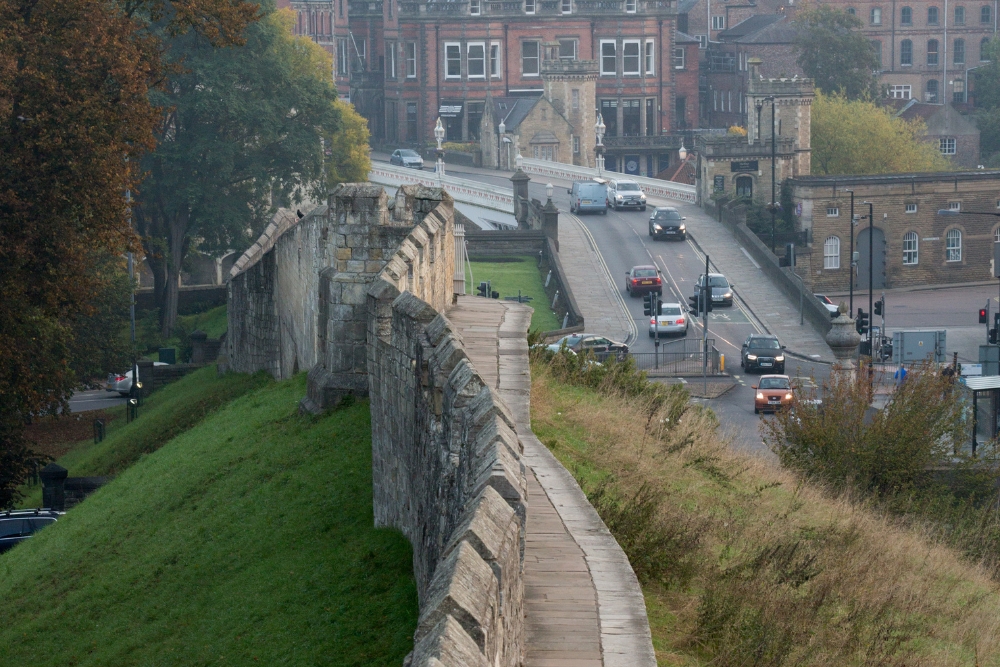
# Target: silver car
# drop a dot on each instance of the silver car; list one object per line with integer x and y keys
{"x": 122, "y": 382}
{"x": 672, "y": 320}
{"x": 405, "y": 157}
{"x": 625, "y": 194}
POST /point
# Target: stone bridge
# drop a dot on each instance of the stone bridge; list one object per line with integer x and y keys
{"x": 513, "y": 567}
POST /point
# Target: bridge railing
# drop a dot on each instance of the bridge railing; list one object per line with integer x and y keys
{"x": 651, "y": 186}
{"x": 462, "y": 190}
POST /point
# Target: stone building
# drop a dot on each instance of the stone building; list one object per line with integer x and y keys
{"x": 740, "y": 166}
{"x": 913, "y": 245}
{"x": 533, "y": 127}
{"x": 955, "y": 135}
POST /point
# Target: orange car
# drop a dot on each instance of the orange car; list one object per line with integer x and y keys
{"x": 773, "y": 392}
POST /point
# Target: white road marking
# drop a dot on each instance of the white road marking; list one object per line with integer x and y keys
{"x": 633, "y": 331}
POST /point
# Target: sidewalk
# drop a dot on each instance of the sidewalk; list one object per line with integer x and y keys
{"x": 583, "y": 605}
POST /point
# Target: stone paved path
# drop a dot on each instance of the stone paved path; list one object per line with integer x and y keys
{"x": 583, "y": 604}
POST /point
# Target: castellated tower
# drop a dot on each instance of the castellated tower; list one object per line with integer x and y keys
{"x": 793, "y": 99}
{"x": 570, "y": 86}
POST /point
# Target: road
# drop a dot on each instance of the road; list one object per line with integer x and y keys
{"x": 623, "y": 241}
{"x": 94, "y": 399}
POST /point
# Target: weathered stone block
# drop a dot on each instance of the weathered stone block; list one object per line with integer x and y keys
{"x": 343, "y": 253}
{"x": 464, "y": 588}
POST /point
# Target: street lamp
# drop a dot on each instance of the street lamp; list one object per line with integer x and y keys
{"x": 439, "y": 135}
{"x": 871, "y": 273}
{"x": 850, "y": 261}
{"x": 503, "y": 130}
{"x": 548, "y": 191}
{"x": 599, "y": 129}
{"x": 683, "y": 152}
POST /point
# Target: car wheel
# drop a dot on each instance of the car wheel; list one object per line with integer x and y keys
{"x": 605, "y": 211}
{"x": 643, "y": 208}
{"x": 650, "y": 334}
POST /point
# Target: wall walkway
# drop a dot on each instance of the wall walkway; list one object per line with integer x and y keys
{"x": 582, "y": 603}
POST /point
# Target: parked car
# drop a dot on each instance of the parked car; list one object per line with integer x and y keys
{"x": 667, "y": 223}
{"x": 773, "y": 393}
{"x": 643, "y": 280}
{"x": 762, "y": 352}
{"x": 16, "y": 526}
{"x": 588, "y": 197}
{"x": 600, "y": 346}
{"x": 722, "y": 290}
{"x": 625, "y": 194}
{"x": 673, "y": 319}
{"x": 406, "y": 157}
{"x": 122, "y": 382}
{"x": 830, "y": 306}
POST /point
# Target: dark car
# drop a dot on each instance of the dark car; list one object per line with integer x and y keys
{"x": 667, "y": 223}
{"x": 722, "y": 290}
{"x": 406, "y": 157}
{"x": 16, "y": 526}
{"x": 763, "y": 352}
{"x": 643, "y": 280}
{"x": 600, "y": 346}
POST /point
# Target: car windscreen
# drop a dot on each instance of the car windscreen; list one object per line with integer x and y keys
{"x": 764, "y": 344}
{"x": 408, "y": 153}
{"x": 645, "y": 273}
{"x": 774, "y": 383}
{"x": 570, "y": 340}
{"x": 671, "y": 310}
{"x": 628, "y": 186}
{"x": 666, "y": 215}
{"x": 718, "y": 281}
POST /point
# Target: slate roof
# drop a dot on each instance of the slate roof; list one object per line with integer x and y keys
{"x": 512, "y": 110}
{"x": 684, "y": 38}
{"x": 749, "y": 27}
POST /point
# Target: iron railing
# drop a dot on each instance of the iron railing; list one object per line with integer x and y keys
{"x": 681, "y": 357}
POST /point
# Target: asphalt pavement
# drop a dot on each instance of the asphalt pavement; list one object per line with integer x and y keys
{"x": 94, "y": 399}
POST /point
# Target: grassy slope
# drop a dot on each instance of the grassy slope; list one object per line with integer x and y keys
{"x": 247, "y": 539}
{"x": 213, "y": 322}
{"x": 509, "y": 277}
{"x": 869, "y": 577}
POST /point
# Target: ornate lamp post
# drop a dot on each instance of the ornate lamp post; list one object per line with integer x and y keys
{"x": 683, "y": 152}
{"x": 599, "y": 129}
{"x": 439, "y": 135}
{"x": 503, "y": 130}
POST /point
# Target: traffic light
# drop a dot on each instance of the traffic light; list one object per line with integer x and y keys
{"x": 652, "y": 304}
{"x": 879, "y": 307}
{"x": 695, "y": 304}
{"x": 993, "y": 336}
{"x": 484, "y": 290}
{"x": 861, "y": 322}
{"x": 982, "y": 316}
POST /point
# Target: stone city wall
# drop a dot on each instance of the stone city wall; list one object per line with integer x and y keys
{"x": 447, "y": 472}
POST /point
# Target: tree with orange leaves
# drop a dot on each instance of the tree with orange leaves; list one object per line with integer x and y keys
{"x": 75, "y": 118}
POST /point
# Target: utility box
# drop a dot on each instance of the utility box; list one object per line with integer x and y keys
{"x": 913, "y": 347}
{"x": 989, "y": 357}
{"x": 168, "y": 355}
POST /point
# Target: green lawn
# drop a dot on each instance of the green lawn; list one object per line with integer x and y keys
{"x": 507, "y": 277}
{"x": 247, "y": 539}
{"x": 213, "y": 322}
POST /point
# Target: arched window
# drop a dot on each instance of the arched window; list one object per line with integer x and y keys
{"x": 959, "y": 51}
{"x": 985, "y": 15}
{"x": 910, "y": 248}
{"x": 906, "y": 16}
{"x": 744, "y": 186}
{"x": 831, "y": 253}
{"x": 906, "y": 52}
{"x": 932, "y": 52}
{"x": 852, "y": 11}
{"x": 932, "y": 16}
{"x": 953, "y": 245}
{"x": 983, "y": 49}
{"x": 931, "y": 94}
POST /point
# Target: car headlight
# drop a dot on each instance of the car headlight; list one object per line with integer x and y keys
{"x": 780, "y": 357}
{"x": 727, "y": 295}
{"x": 788, "y": 397}
{"x": 618, "y": 197}
{"x": 682, "y": 228}
{"x": 642, "y": 197}
{"x": 657, "y": 227}
{"x": 752, "y": 357}
{"x": 760, "y": 396}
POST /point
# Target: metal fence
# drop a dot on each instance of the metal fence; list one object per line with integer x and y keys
{"x": 681, "y": 357}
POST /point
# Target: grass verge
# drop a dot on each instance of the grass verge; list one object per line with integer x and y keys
{"x": 247, "y": 539}
{"x": 743, "y": 563}
{"x": 513, "y": 274}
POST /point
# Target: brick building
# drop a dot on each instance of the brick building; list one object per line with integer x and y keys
{"x": 408, "y": 63}
{"x": 913, "y": 245}
{"x": 926, "y": 46}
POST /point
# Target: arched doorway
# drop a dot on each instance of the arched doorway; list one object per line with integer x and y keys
{"x": 878, "y": 255}
{"x": 744, "y": 187}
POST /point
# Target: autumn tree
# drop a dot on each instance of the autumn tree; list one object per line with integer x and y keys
{"x": 241, "y": 134}
{"x": 860, "y": 137}
{"x": 987, "y": 97}
{"x": 834, "y": 53}
{"x": 75, "y": 116}
{"x": 347, "y": 156}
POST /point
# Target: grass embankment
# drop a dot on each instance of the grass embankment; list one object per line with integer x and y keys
{"x": 246, "y": 539}
{"x": 509, "y": 276}
{"x": 213, "y": 322}
{"x": 745, "y": 564}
